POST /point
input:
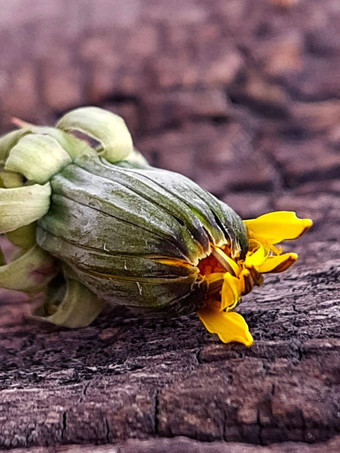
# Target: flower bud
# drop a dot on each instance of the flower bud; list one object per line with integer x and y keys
{"x": 96, "y": 224}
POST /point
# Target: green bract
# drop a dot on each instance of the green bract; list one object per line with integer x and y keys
{"x": 98, "y": 224}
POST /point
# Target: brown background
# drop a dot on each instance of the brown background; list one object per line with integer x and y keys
{"x": 243, "y": 97}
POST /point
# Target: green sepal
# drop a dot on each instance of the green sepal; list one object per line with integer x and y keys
{"x": 215, "y": 215}
{"x": 107, "y": 128}
{"x": 117, "y": 200}
{"x": 151, "y": 194}
{"x": 23, "y": 237}
{"x": 196, "y": 208}
{"x": 113, "y": 264}
{"x": 30, "y": 272}
{"x": 37, "y": 157}
{"x": 96, "y": 230}
{"x": 23, "y": 205}
{"x": 150, "y": 292}
{"x": 10, "y": 179}
{"x": 69, "y": 304}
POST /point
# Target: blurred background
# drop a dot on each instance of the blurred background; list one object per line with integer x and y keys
{"x": 241, "y": 96}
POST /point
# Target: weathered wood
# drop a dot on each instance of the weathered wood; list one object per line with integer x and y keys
{"x": 125, "y": 377}
{"x": 184, "y": 445}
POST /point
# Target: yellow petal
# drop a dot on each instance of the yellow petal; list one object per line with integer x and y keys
{"x": 247, "y": 281}
{"x": 228, "y": 326}
{"x": 257, "y": 258}
{"x": 276, "y": 264}
{"x": 226, "y": 261}
{"x": 215, "y": 282}
{"x": 277, "y": 226}
{"x": 214, "y": 277}
{"x": 231, "y": 291}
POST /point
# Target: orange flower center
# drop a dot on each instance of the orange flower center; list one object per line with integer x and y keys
{"x": 210, "y": 265}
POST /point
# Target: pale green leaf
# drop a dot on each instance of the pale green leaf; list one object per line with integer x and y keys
{"x": 10, "y": 179}
{"x": 78, "y": 308}
{"x": 71, "y": 144}
{"x": 37, "y": 157}
{"x": 23, "y": 205}
{"x": 8, "y": 141}
{"x": 105, "y": 127}
{"x": 135, "y": 160}
{"x": 23, "y": 237}
{"x": 2, "y": 258}
{"x": 29, "y": 273}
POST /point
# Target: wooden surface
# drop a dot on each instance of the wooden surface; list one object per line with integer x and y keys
{"x": 243, "y": 97}
{"x": 123, "y": 377}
